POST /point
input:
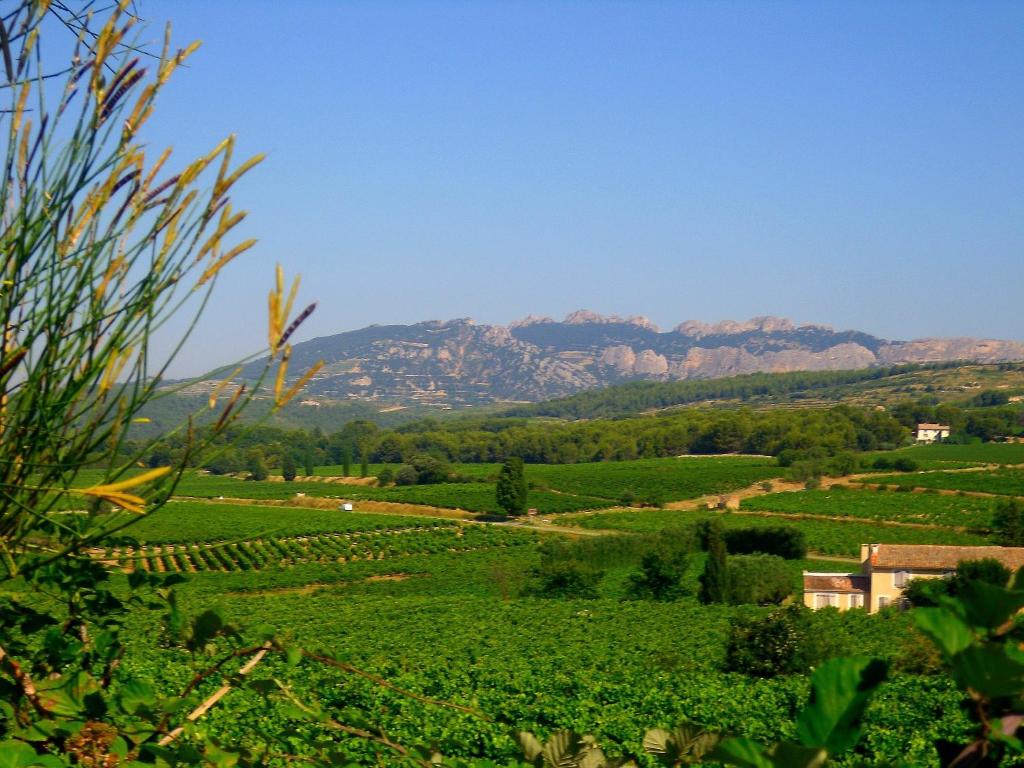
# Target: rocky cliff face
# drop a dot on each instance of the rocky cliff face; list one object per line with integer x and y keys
{"x": 461, "y": 363}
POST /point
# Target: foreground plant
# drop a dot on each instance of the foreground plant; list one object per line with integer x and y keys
{"x": 102, "y": 243}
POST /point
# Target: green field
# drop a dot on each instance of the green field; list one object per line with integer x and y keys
{"x": 450, "y": 626}
{"x": 983, "y": 453}
{"x": 192, "y": 521}
{"x": 554, "y": 487}
{"x": 827, "y": 537}
{"x": 686, "y": 477}
{"x": 1004, "y": 482}
{"x": 926, "y": 508}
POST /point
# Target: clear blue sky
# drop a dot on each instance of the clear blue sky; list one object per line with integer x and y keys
{"x": 854, "y": 164}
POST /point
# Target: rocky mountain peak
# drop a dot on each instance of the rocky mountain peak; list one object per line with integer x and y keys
{"x": 585, "y": 316}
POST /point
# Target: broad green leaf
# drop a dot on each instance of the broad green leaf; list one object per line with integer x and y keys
{"x": 743, "y": 752}
{"x": 989, "y": 671}
{"x": 840, "y": 690}
{"x": 205, "y": 627}
{"x": 137, "y": 697}
{"x": 988, "y": 606}
{"x": 944, "y": 628}
{"x": 16, "y": 754}
{"x": 787, "y": 755}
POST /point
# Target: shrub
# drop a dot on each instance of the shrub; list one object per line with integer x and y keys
{"x": 714, "y": 581}
{"x": 1008, "y": 523}
{"x": 759, "y": 579}
{"x": 661, "y": 574}
{"x": 564, "y": 578}
{"x": 385, "y": 476}
{"x": 255, "y": 465}
{"x": 785, "y": 541}
{"x": 783, "y": 642}
{"x": 986, "y": 569}
{"x": 905, "y": 464}
{"x": 288, "y": 468}
{"x": 430, "y": 469}
{"x": 406, "y": 475}
{"x": 925, "y": 593}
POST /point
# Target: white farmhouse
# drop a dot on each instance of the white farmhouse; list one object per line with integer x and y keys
{"x": 932, "y": 433}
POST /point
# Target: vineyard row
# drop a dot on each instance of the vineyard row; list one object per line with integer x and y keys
{"x": 258, "y": 554}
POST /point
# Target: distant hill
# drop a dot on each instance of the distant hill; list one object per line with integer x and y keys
{"x": 459, "y": 363}
{"x": 938, "y": 382}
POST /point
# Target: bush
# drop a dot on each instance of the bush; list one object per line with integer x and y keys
{"x": 661, "y": 573}
{"x": 430, "y": 469}
{"x": 782, "y": 643}
{"x": 905, "y": 464}
{"x": 987, "y": 569}
{"x": 882, "y": 463}
{"x": 759, "y": 579}
{"x": 1008, "y": 523}
{"x": 288, "y": 468}
{"x": 925, "y": 593}
{"x": 385, "y": 476}
{"x": 255, "y": 465}
{"x": 406, "y": 475}
{"x": 564, "y": 578}
{"x": 785, "y": 541}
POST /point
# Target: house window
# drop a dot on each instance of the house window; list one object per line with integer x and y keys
{"x": 900, "y": 579}
{"x": 825, "y": 600}
{"x": 856, "y": 601}
{"x": 883, "y": 602}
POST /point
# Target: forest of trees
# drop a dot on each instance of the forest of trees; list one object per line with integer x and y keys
{"x": 787, "y": 433}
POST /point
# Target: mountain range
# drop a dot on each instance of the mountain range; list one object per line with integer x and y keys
{"x": 462, "y": 363}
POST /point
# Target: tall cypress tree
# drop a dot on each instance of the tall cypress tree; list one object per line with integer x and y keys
{"x": 714, "y": 579}
{"x": 511, "y": 490}
{"x": 288, "y": 468}
{"x": 346, "y": 461}
{"x": 364, "y": 462}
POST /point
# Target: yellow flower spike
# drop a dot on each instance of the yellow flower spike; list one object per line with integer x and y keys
{"x": 19, "y": 110}
{"x": 170, "y": 64}
{"x": 155, "y": 170}
{"x": 217, "y": 390}
{"x": 142, "y": 420}
{"x": 112, "y": 269}
{"x": 114, "y": 368}
{"x": 114, "y": 493}
{"x": 225, "y": 184}
{"x": 282, "y": 370}
{"x": 300, "y": 384}
{"x": 141, "y": 110}
{"x": 216, "y": 266}
{"x": 225, "y": 163}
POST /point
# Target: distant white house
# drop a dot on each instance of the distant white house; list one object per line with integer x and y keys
{"x": 932, "y": 433}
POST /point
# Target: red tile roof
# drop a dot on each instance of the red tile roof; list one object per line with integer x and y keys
{"x": 836, "y": 582}
{"x": 942, "y": 557}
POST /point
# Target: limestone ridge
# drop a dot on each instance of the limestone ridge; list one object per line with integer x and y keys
{"x": 458, "y": 362}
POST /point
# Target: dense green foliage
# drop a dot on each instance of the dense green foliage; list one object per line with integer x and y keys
{"x": 827, "y": 537}
{"x": 640, "y": 396}
{"x": 511, "y": 491}
{"x": 759, "y": 579}
{"x": 785, "y": 541}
